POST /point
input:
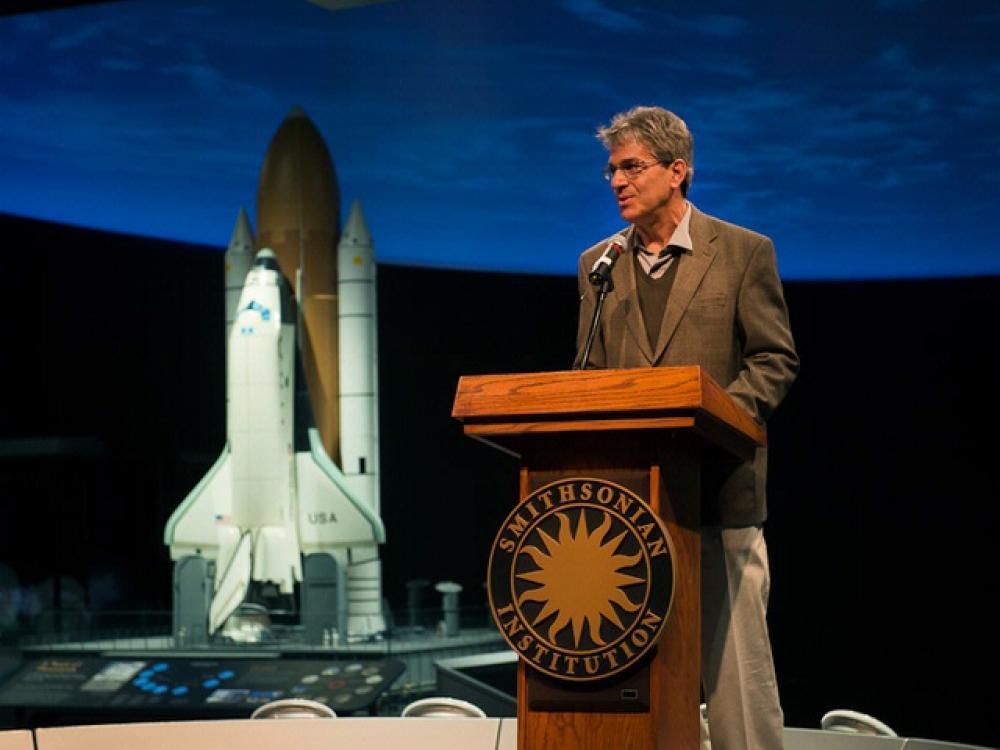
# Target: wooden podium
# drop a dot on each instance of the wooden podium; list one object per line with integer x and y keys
{"x": 646, "y": 430}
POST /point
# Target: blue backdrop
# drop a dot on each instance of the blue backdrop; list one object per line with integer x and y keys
{"x": 863, "y": 137}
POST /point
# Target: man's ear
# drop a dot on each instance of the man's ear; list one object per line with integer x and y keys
{"x": 678, "y": 171}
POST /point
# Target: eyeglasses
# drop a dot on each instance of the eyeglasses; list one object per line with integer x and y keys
{"x": 631, "y": 167}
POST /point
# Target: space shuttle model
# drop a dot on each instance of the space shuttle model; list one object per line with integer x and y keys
{"x": 292, "y": 503}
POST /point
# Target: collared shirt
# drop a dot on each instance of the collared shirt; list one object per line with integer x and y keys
{"x": 656, "y": 264}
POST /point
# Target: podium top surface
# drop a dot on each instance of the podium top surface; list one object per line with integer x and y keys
{"x": 631, "y": 399}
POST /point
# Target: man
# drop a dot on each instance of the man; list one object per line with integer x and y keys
{"x": 690, "y": 289}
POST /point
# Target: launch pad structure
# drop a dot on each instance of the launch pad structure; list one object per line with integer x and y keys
{"x": 405, "y": 663}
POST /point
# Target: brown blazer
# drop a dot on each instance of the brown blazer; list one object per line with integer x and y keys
{"x": 726, "y": 312}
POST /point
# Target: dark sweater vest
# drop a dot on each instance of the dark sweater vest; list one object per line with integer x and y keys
{"x": 653, "y": 294}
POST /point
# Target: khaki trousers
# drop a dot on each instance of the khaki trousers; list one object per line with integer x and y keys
{"x": 744, "y": 712}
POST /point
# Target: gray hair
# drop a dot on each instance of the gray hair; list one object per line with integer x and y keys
{"x": 660, "y": 130}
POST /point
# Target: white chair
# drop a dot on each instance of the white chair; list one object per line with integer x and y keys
{"x": 443, "y": 708}
{"x": 853, "y": 722}
{"x": 294, "y": 708}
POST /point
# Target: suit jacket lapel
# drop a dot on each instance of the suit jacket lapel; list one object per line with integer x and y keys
{"x": 633, "y": 312}
{"x": 690, "y": 272}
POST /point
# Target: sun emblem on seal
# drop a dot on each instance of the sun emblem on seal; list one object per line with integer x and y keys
{"x": 581, "y": 578}
{"x": 559, "y": 569}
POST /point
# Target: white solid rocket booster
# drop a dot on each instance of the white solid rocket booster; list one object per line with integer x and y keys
{"x": 359, "y": 446}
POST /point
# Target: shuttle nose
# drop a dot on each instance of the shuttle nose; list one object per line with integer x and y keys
{"x": 266, "y": 259}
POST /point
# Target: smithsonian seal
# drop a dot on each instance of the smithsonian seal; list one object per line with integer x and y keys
{"x": 581, "y": 578}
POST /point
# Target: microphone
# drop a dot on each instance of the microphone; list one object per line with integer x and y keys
{"x": 600, "y": 277}
{"x": 600, "y": 273}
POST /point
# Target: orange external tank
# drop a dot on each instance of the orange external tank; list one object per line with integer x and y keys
{"x": 298, "y": 217}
